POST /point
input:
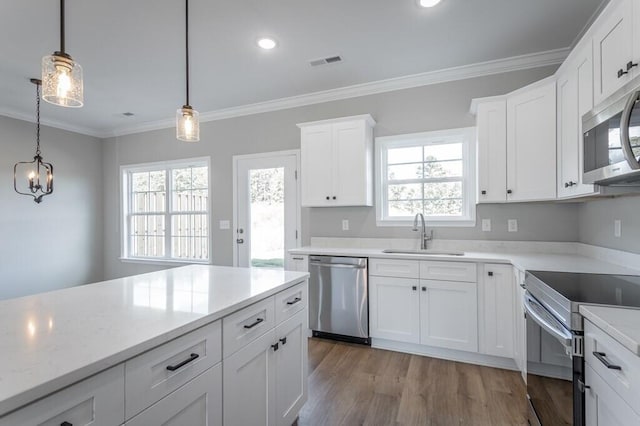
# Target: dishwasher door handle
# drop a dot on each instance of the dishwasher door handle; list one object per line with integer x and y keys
{"x": 337, "y": 265}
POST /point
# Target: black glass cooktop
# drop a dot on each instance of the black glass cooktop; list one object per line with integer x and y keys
{"x": 621, "y": 290}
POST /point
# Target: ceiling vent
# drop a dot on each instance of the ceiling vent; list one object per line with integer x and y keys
{"x": 325, "y": 61}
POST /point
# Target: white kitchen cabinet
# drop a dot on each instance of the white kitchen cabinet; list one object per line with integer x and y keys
{"x": 448, "y": 314}
{"x": 291, "y": 368}
{"x": 297, "y": 262}
{"x": 574, "y": 99}
{"x": 394, "y": 308}
{"x": 613, "y": 49}
{"x": 491, "y": 121}
{"x": 197, "y": 403}
{"x": 95, "y": 401}
{"x": 531, "y": 142}
{"x": 603, "y": 406}
{"x": 337, "y": 162}
{"x": 520, "y": 325}
{"x": 249, "y": 383}
{"x": 496, "y": 316}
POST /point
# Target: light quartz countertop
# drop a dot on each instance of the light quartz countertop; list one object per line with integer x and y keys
{"x": 521, "y": 260}
{"x": 622, "y": 324}
{"x": 52, "y": 340}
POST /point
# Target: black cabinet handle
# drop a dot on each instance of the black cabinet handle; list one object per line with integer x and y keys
{"x": 192, "y": 357}
{"x": 601, "y": 357}
{"x": 483, "y": 192}
{"x": 274, "y": 347}
{"x": 328, "y": 197}
{"x": 621, "y": 72}
{"x": 509, "y": 191}
{"x": 424, "y": 289}
{"x": 414, "y": 288}
{"x": 283, "y": 341}
{"x": 66, "y": 424}
{"x": 631, "y": 64}
{"x": 490, "y": 273}
{"x": 334, "y": 197}
{"x": 258, "y": 321}
{"x": 294, "y": 301}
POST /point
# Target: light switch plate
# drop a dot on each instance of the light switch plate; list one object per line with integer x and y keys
{"x": 486, "y": 225}
{"x": 617, "y": 228}
{"x": 513, "y": 225}
{"x": 225, "y": 224}
{"x": 345, "y": 224}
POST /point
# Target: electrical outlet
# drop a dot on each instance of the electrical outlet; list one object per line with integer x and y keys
{"x": 486, "y": 225}
{"x": 345, "y": 224}
{"x": 617, "y": 228}
{"x": 513, "y": 225}
{"x": 225, "y": 224}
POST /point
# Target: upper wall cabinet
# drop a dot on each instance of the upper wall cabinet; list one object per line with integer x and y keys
{"x": 531, "y": 142}
{"x": 337, "y": 162}
{"x": 575, "y": 98}
{"x": 614, "y": 53}
{"x": 517, "y": 145}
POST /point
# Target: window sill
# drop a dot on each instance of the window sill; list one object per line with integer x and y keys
{"x": 163, "y": 262}
{"x": 468, "y": 223}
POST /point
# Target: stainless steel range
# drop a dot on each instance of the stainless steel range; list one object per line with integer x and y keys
{"x": 555, "y": 358}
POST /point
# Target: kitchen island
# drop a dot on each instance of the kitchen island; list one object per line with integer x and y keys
{"x": 150, "y": 336}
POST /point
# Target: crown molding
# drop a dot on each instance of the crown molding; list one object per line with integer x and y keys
{"x": 53, "y": 123}
{"x": 480, "y": 69}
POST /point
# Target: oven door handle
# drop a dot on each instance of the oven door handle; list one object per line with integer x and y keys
{"x": 625, "y": 141}
{"x": 544, "y": 319}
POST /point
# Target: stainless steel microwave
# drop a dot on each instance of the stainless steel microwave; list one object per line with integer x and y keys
{"x": 611, "y": 139}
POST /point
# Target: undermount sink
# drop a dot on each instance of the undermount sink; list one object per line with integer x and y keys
{"x": 425, "y": 252}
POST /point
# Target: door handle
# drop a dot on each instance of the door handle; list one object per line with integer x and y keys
{"x": 240, "y": 241}
{"x": 630, "y": 65}
{"x": 602, "y": 358}
{"x": 622, "y": 72}
{"x": 283, "y": 341}
{"x": 625, "y": 141}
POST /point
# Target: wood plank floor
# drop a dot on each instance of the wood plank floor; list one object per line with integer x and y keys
{"x": 357, "y": 385}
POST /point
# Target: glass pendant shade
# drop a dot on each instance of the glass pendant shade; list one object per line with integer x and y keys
{"x": 62, "y": 81}
{"x": 187, "y": 124}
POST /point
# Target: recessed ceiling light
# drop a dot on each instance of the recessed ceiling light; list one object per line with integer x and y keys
{"x": 428, "y": 3}
{"x": 267, "y": 43}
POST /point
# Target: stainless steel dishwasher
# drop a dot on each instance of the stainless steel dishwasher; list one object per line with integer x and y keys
{"x": 339, "y": 298}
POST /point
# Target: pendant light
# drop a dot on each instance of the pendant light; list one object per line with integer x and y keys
{"x": 34, "y": 171}
{"x": 187, "y": 118}
{"x": 61, "y": 76}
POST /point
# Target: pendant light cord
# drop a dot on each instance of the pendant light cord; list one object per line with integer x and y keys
{"x": 186, "y": 45}
{"x": 62, "y": 47}
{"x": 38, "y": 119}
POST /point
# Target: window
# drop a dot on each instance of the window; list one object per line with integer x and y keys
{"x": 432, "y": 173}
{"x": 166, "y": 211}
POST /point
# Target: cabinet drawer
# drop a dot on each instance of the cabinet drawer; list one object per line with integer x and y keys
{"x": 153, "y": 375}
{"x": 290, "y": 301}
{"x": 94, "y": 401}
{"x": 626, "y": 380}
{"x": 394, "y": 268}
{"x": 240, "y": 328}
{"x": 199, "y": 402}
{"x": 448, "y": 271}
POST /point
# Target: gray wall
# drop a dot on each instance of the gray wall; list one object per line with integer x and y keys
{"x": 57, "y": 243}
{"x": 597, "y": 218}
{"x": 426, "y": 108}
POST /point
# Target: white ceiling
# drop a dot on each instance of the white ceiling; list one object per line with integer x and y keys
{"x": 133, "y": 58}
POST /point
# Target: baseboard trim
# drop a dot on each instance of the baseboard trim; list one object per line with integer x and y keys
{"x": 448, "y": 354}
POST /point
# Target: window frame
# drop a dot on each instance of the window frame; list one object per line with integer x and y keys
{"x": 126, "y": 201}
{"x": 466, "y": 136}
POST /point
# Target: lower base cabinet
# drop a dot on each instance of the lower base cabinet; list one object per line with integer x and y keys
{"x": 603, "y": 406}
{"x": 197, "y": 403}
{"x": 265, "y": 382}
{"x": 394, "y": 309}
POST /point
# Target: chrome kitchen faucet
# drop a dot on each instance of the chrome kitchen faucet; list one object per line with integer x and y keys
{"x": 424, "y": 238}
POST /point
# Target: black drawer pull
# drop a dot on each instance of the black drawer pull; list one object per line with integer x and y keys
{"x": 509, "y": 191}
{"x": 258, "y": 321}
{"x": 414, "y": 288}
{"x": 294, "y": 301}
{"x": 631, "y": 64}
{"x": 601, "y": 357}
{"x": 66, "y": 424}
{"x": 274, "y": 347}
{"x": 424, "y": 289}
{"x": 192, "y": 357}
{"x": 621, "y": 72}
{"x": 484, "y": 192}
{"x": 490, "y": 273}
{"x": 283, "y": 341}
